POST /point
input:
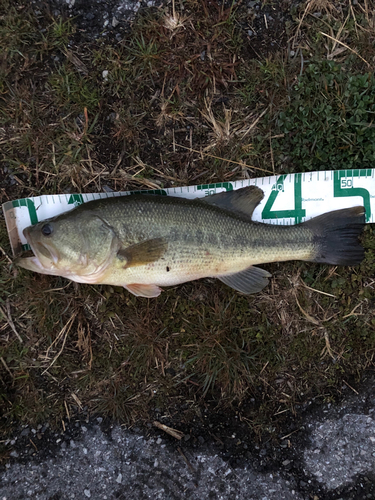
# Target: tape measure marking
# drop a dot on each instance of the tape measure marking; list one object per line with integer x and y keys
{"x": 288, "y": 199}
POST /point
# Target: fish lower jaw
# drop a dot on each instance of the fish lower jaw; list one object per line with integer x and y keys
{"x": 33, "y": 264}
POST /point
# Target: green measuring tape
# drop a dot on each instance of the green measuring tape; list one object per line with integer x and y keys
{"x": 288, "y": 199}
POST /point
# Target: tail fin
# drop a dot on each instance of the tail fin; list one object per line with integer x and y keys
{"x": 336, "y": 236}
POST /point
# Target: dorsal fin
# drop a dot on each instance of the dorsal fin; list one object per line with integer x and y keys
{"x": 242, "y": 201}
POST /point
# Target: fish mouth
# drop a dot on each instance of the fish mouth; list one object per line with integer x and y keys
{"x": 46, "y": 252}
{"x": 32, "y": 264}
{"x": 45, "y": 257}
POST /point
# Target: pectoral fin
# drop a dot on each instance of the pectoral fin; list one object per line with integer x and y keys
{"x": 140, "y": 290}
{"x": 143, "y": 253}
{"x": 251, "y": 280}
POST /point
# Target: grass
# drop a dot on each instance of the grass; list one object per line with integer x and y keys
{"x": 85, "y": 116}
{"x": 333, "y": 111}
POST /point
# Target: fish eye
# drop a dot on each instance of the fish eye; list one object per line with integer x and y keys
{"x": 47, "y": 230}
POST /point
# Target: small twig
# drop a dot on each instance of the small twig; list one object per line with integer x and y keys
{"x": 355, "y": 19}
{"x": 280, "y": 412}
{"x": 272, "y": 160}
{"x": 253, "y": 125}
{"x": 191, "y": 468}
{"x": 339, "y": 32}
{"x": 67, "y": 410}
{"x": 353, "y": 313}
{"x": 168, "y": 177}
{"x": 284, "y": 437}
{"x": 307, "y": 316}
{"x": 11, "y": 139}
{"x": 318, "y": 291}
{"x": 65, "y": 331}
{"x": 225, "y": 159}
{"x": 264, "y": 367}
{"x": 172, "y": 432}
{"x": 57, "y": 339}
{"x": 102, "y": 173}
{"x": 6, "y": 255}
{"x": 299, "y": 26}
{"x": 75, "y": 397}
{"x": 32, "y": 442}
{"x": 119, "y": 161}
{"x": 328, "y": 345}
{"x": 9, "y": 320}
{"x": 53, "y": 378}
{"x": 217, "y": 439}
{"x": 350, "y": 387}
{"x": 344, "y": 45}
{"x": 6, "y": 367}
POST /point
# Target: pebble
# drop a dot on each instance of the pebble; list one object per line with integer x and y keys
{"x": 87, "y": 493}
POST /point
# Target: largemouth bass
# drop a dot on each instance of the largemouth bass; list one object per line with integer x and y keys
{"x": 143, "y": 242}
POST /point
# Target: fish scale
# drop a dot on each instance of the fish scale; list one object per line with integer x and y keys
{"x": 213, "y": 241}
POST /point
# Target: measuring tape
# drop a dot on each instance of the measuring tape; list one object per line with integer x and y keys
{"x": 288, "y": 199}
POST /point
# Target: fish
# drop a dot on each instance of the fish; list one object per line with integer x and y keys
{"x": 144, "y": 241}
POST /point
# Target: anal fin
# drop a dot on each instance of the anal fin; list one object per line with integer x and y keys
{"x": 252, "y": 280}
{"x": 140, "y": 290}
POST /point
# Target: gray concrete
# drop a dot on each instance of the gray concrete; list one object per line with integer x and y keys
{"x": 128, "y": 465}
{"x": 333, "y": 458}
{"x": 341, "y": 449}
